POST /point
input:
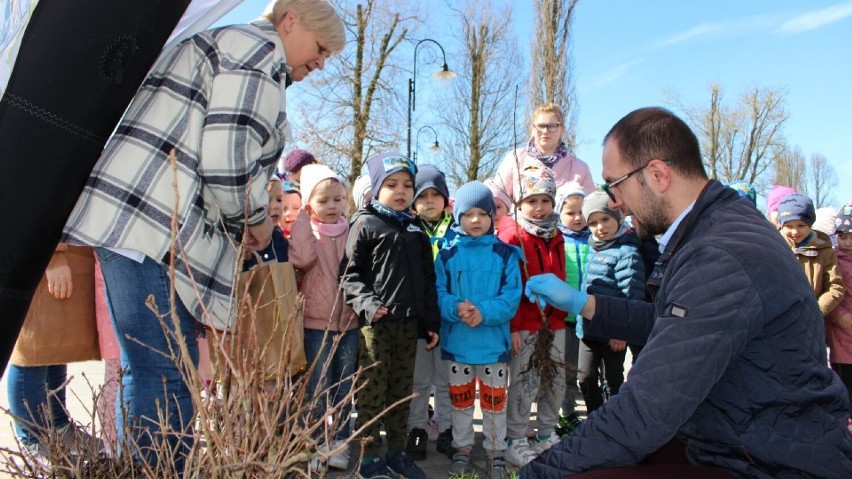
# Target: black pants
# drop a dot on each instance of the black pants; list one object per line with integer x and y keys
{"x": 592, "y": 353}
{"x": 845, "y": 373}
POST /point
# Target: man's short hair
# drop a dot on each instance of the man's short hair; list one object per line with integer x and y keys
{"x": 656, "y": 133}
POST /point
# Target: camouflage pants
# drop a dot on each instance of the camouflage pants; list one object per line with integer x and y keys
{"x": 393, "y": 344}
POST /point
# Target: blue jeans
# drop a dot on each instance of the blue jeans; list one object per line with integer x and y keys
{"x": 34, "y": 410}
{"x": 336, "y": 383}
{"x": 152, "y": 385}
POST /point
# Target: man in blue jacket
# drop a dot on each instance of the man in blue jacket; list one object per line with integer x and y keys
{"x": 733, "y": 380}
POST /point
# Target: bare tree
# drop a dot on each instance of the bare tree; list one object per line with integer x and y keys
{"x": 551, "y": 78}
{"x": 347, "y": 105}
{"x": 480, "y": 115}
{"x": 790, "y": 167}
{"x": 822, "y": 180}
{"x": 738, "y": 141}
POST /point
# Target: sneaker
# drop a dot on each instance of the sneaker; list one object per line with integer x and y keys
{"x": 415, "y": 446}
{"x": 432, "y": 429}
{"x": 496, "y": 468}
{"x": 339, "y": 460}
{"x": 461, "y": 463}
{"x": 403, "y": 465}
{"x": 542, "y": 445}
{"x": 37, "y": 456}
{"x": 567, "y": 424}
{"x": 445, "y": 443}
{"x": 76, "y": 441}
{"x": 375, "y": 468}
{"x": 519, "y": 452}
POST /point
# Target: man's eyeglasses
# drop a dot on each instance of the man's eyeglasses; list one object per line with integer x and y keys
{"x": 607, "y": 187}
{"x": 542, "y": 127}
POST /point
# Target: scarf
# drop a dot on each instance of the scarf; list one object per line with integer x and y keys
{"x": 332, "y": 230}
{"x": 582, "y": 234}
{"x": 549, "y": 161}
{"x": 543, "y": 228}
{"x": 402, "y": 217}
{"x": 599, "y": 245}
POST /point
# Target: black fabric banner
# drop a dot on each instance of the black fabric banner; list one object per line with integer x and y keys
{"x": 79, "y": 65}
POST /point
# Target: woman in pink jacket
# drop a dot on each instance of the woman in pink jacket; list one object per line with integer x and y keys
{"x": 317, "y": 241}
{"x": 545, "y": 145}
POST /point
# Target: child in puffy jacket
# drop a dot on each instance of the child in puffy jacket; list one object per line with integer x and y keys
{"x": 317, "y": 240}
{"x": 615, "y": 268}
{"x": 479, "y": 288}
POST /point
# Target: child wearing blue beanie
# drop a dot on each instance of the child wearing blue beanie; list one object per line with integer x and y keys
{"x": 479, "y": 289}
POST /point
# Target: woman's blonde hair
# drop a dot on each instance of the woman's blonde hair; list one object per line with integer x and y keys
{"x": 548, "y": 108}
{"x": 318, "y": 16}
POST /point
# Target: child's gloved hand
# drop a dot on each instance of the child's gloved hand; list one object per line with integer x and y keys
{"x": 549, "y": 289}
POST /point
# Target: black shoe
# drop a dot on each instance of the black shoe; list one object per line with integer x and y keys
{"x": 445, "y": 443}
{"x": 416, "y": 444}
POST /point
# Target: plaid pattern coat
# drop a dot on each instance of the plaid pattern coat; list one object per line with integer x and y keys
{"x": 218, "y": 100}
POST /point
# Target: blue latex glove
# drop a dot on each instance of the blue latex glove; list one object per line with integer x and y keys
{"x": 547, "y": 288}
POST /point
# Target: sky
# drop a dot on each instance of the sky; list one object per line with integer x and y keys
{"x": 627, "y": 54}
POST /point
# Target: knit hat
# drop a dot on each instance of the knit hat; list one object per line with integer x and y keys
{"x": 796, "y": 207}
{"x": 429, "y": 176}
{"x": 776, "y": 194}
{"x": 825, "y": 220}
{"x": 296, "y": 159}
{"x": 474, "y": 195}
{"x": 361, "y": 191}
{"x": 566, "y": 191}
{"x": 744, "y": 189}
{"x": 843, "y": 222}
{"x": 599, "y": 201}
{"x": 498, "y": 193}
{"x": 311, "y": 176}
{"x": 385, "y": 164}
{"x": 535, "y": 179}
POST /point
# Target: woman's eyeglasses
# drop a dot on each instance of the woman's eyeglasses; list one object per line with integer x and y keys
{"x": 542, "y": 127}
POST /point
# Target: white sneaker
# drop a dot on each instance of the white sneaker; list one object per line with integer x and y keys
{"x": 519, "y": 452}
{"x": 542, "y": 445}
{"x": 339, "y": 460}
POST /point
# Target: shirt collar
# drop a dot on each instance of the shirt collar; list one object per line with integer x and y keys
{"x": 664, "y": 240}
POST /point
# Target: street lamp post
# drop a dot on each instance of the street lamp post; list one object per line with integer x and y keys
{"x": 435, "y": 148}
{"x": 443, "y": 74}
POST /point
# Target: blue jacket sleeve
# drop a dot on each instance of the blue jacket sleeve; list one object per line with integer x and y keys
{"x": 501, "y": 308}
{"x": 630, "y": 273}
{"x": 683, "y": 360}
{"x": 447, "y": 302}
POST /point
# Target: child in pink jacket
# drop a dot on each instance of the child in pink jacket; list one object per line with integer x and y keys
{"x": 839, "y": 324}
{"x": 317, "y": 241}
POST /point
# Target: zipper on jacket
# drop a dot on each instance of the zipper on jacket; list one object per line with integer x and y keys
{"x": 540, "y": 259}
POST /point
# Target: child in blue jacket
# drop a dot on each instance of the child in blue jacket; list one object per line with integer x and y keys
{"x": 614, "y": 268}
{"x": 479, "y": 289}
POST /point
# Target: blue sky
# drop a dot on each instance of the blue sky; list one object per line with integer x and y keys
{"x": 627, "y": 53}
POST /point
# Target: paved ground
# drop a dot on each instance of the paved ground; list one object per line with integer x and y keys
{"x": 85, "y": 376}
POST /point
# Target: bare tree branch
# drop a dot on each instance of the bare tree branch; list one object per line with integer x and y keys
{"x": 479, "y": 115}
{"x": 551, "y": 75}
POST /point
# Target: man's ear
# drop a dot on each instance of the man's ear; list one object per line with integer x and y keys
{"x": 660, "y": 175}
